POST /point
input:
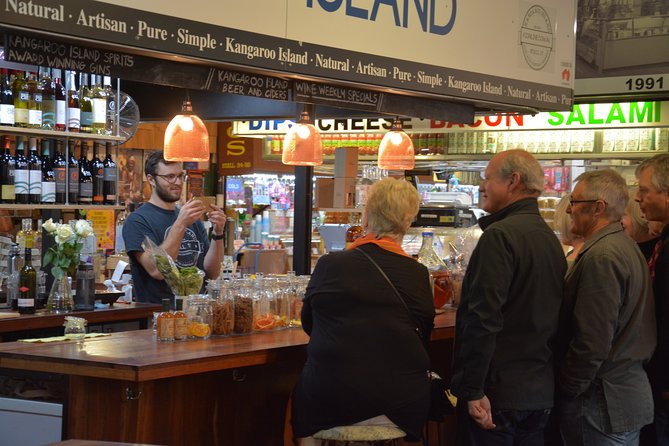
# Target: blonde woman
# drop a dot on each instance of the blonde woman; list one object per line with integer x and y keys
{"x": 366, "y": 364}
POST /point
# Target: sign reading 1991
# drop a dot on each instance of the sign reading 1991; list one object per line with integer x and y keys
{"x": 645, "y": 83}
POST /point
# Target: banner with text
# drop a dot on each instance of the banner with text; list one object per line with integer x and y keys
{"x": 422, "y": 47}
{"x": 583, "y": 116}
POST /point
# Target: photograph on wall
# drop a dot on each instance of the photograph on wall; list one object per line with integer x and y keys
{"x": 622, "y": 38}
{"x": 131, "y": 175}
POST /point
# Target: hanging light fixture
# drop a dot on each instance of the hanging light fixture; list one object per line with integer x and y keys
{"x": 396, "y": 149}
{"x": 302, "y": 144}
{"x": 186, "y": 137}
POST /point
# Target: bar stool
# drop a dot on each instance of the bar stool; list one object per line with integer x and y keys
{"x": 360, "y": 436}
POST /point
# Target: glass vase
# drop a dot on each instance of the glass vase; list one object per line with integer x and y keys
{"x": 60, "y": 297}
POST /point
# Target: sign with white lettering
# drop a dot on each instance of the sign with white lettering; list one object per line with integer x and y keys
{"x": 53, "y": 53}
{"x": 426, "y": 48}
{"x": 583, "y": 116}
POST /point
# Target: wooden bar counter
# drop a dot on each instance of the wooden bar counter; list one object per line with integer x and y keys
{"x": 222, "y": 391}
{"x": 21, "y": 326}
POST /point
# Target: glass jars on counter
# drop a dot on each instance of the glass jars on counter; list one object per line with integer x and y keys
{"x": 200, "y": 316}
{"x": 223, "y": 306}
{"x": 242, "y": 296}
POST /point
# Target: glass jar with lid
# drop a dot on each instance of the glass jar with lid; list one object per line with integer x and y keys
{"x": 242, "y": 292}
{"x": 223, "y": 307}
{"x": 200, "y": 316}
{"x": 278, "y": 304}
{"x": 263, "y": 305}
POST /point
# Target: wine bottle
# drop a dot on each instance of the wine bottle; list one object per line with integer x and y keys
{"x": 48, "y": 177}
{"x": 34, "y": 101}
{"x": 85, "y": 177}
{"x": 110, "y": 93}
{"x": 48, "y": 100}
{"x": 27, "y": 286}
{"x": 7, "y": 166}
{"x": 85, "y": 104}
{"x": 99, "y": 105}
{"x": 72, "y": 175}
{"x": 59, "y": 171}
{"x": 61, "y": 101}
{"x": 6, "y": 99}
{"x": 73, "y": 109}
{"x": 111, "y": 174}
{"x": 35, "y": 173}
{"x": 21, "y": 174}
{"x": 97, "y": 169}
{"x": 21, "y": 98}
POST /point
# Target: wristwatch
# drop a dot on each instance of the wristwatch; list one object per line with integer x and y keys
{"x": 214, "y": 236}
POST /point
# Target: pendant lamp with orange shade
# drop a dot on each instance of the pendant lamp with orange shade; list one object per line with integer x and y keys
{"x": 396, "y": 151}
{"x": 186, "y": 137}
{"x": 302, "y": 145}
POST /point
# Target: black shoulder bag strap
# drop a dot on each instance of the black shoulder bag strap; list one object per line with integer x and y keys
{"x": 397, "y": 293}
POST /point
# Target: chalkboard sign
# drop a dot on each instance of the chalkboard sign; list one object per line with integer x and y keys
{"x": 337, "y": 96}
{"x": 43, "y": 52}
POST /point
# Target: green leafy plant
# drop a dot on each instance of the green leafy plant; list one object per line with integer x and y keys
{"x": 64, "y": 256}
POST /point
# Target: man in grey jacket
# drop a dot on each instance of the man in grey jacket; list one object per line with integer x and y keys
{"x": 607, "y": 324}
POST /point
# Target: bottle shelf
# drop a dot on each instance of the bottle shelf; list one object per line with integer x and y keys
{"x": 64, "y": 207}
{"x": 9, "y": 130}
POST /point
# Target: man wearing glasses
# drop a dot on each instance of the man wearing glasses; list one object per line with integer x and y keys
{"x": 607, "y": 322}
{"x": 653, "y": 199}
{"x": 178, "y": 230}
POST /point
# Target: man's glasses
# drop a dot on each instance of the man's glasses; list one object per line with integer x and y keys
{"x": 172, "y": 178}
{"x": 573, "y": 202}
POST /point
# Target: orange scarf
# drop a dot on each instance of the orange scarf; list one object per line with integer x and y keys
{"x": 384, "y": 243}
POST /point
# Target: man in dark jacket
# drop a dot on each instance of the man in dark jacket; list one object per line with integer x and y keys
{"x": 503, "y": 372}
{"x": 653, "y": 198}
{"x": 607, "y": 324}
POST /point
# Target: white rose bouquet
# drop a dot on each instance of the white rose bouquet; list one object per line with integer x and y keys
{"x": 64, "y": 256}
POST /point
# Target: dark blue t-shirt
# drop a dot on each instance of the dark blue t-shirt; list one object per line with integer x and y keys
{"x": 155, "y": 222}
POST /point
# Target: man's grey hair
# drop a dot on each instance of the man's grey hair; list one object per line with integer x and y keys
{"x": 660, "y": 175}
{"x": 530, "y": 171}
{"x": 607, "y": 185}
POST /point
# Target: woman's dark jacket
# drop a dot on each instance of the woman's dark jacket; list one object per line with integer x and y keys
{"x": 364, "y": 356}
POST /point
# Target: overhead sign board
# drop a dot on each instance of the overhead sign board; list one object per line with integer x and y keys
{"x": 583, "y": 116}
{"x": 431, "y": 48}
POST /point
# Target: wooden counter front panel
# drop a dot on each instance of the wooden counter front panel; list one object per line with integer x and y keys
{"x": 232, "y": 407}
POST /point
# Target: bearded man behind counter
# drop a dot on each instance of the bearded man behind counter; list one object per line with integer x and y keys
{"x": 178, "y": 230}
